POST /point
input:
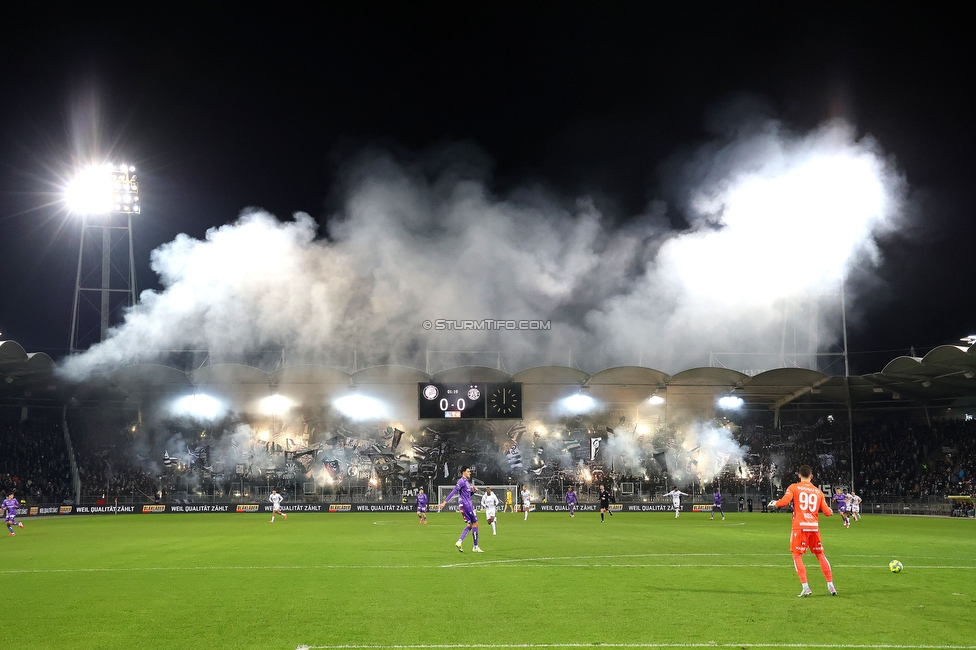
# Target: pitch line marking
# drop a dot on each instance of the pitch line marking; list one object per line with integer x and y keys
{"x": 650, "y": 555}
{"x": 217, "y": 568}
{"x": 712, "y": 644}
{"x": 569, "y": 561}
{"x": 443, "y": 566}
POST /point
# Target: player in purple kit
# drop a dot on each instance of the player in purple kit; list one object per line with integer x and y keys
{"x": 717, "y": 501}
{"x": 464, "y": 489}
{"x": 422, "y": 505}
{"x": 10, "y": 505}
{"x": 841, "y": 499}
{"x": 571, "y": 501}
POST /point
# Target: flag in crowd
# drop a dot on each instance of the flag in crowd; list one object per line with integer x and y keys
{"x": 514, "y": 456}
{"x": 516, "y": 431}
{"x": 594, "y": 447}
{"x": 397, "y": 435}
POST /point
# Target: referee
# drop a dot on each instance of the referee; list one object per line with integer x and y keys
{"x": 604, "y": 502}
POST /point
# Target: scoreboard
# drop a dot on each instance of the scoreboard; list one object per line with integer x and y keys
{"x": 479, "y": 400}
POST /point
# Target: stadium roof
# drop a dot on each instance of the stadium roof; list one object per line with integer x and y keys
{"x": 940, "y": 378}
{"x": 26, "y": 374}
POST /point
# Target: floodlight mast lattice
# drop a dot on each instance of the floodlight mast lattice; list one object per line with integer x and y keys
{"x": 106, "y": 197}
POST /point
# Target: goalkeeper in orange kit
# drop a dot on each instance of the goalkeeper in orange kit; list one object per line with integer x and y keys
{"x": 808, "y": 502}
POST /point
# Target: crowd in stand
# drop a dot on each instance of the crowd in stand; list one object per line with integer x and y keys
{"x": 823, "y": 444}
{"x": 110, "y": 472}
{"x": 107, "y": 462}
{"x": 34, "y": 460}
{"x": 34, "y": 464}
{"x": 949, "y": 469}
{"x": 893, "y": 458}
{"x": 897, "y": 459}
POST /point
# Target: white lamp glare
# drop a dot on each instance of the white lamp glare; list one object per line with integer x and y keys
{"x": 730, "y": 402}
{"x": 578, "y": 403}
{"x": 360, "y": 407}
{"x": 200, "y": 406}
{"x": 96, "y": 190}
{"x": 275, "y": 404}
{"x": 90, "y": 192}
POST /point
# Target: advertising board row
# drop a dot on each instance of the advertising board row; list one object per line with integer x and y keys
{"x": 244, "y": 508}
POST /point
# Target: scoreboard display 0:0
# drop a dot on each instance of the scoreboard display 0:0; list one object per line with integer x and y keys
{"x": 460, "y": 400}
{"x": 469, "y": 400}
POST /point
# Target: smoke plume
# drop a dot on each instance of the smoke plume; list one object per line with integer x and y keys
{"x": 773, "y": 218}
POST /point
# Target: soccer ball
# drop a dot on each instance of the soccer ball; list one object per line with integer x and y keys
{"x": 895, "y": 566}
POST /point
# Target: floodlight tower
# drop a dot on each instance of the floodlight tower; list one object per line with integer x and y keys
{"x": 106, "y": 197}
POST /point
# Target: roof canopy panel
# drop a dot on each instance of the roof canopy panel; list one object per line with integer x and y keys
{"x": 389, "y": 375}
{"x": 150, "y": 374}
{"x": 708, "y": 377}
{"x": 903, "y": 366}
{"x": 11, "y": 353}
{"x": 628, "y": 376}
{"x": 560, "y": 375}
{"x": 946, "y": 373}
{"x": 947, "y": 355}
{"x": 786, "y": 377}
{"x": 471, "y": 373}
{"x": 310, "y": 374}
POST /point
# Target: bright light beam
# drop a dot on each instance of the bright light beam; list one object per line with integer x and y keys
{"x": 276, "y": 404}
{"x": 200, "y": 406}
{"x": 360, "y": 407}
{"x": 730, "y": 402}
{"x": 101, "y": 189}
{"x": 578, "y": 403}
{"x": 90, "y": 192}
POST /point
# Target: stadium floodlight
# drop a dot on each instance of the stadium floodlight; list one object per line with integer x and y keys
{"x": 655, "y": 400}
{"x": 578, "y": 403}
{"x": 730, "y": 402}
{"x": 276, "y": 404}
{"x": 200, "y": 406}
{"x": 103, "y": 189}
{"x": 360, "y": 407}
{"x": 105, "y": 196}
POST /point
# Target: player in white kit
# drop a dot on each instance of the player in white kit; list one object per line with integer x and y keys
{"x": 526, "y": 502}
{"x": 276, "y": 500}
{"x": 676, "y": 495}
{"x": 855, "y": 506}
{"x": 489, "y": 501}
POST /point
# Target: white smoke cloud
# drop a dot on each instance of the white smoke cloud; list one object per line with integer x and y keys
{"x": 774, "y": 217}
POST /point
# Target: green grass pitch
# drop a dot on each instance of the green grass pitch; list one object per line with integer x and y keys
{"x": 362, "y": 580}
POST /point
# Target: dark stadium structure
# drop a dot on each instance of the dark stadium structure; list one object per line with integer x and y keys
{"x": 900, "y": 436}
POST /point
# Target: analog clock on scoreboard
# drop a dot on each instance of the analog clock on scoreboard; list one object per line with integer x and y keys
{"x": 504, "y": 401}
{"x": 469, "y": 400}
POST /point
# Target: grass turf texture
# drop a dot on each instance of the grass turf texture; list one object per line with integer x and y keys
{"x": 235, "y": 581}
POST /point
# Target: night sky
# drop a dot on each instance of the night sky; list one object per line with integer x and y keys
{"x": 235, "y": 105}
